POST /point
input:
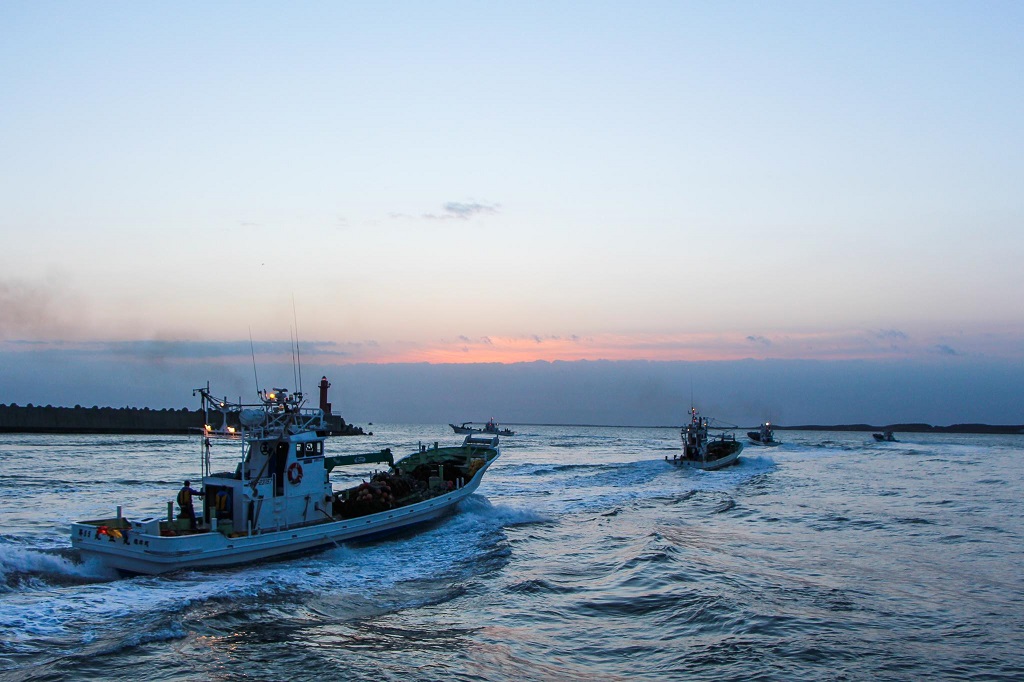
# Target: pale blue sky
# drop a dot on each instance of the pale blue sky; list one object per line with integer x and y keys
{"x": 480, "y": 181}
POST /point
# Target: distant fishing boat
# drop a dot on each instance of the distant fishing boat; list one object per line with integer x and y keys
{"x": 492, "y": 427}
{"x": 888, "y": 436}
{"x": 703, "y": 452}
{"x": 765, "y": 435}
{"x": 279, "y": 500}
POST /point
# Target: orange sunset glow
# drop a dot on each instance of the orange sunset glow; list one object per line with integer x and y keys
{"x": 846, "y": 345}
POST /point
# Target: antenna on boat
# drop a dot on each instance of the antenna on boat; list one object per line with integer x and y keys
{"x": 298, "y": 356}
{"x": 295, "y": 380}
{"x": 253, "y": 349}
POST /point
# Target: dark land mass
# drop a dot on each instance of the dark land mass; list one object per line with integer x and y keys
{"x": 124, "y": 420}
{"x": 136, "y": 420}
{"x": 895, "y": 428}
{"x": 911, "y": 428}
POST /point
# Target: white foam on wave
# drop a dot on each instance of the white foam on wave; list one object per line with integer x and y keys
{"x": 15, "y": 560}
{"x": 42, "y": 609}
{"x": 812, "y": 450}
{"x": 754, "y": 464}
{"x": 419, "y": 554}
{"x": 32, "y": 583}
{"x": 732, "y": 476}
{"x": 372, "y": 570}
{"x": 476, "y": 508}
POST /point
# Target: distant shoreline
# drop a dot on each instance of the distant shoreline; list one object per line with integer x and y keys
{"x": 147, "y": 421}
{"x": 1010, "y": 429}
{"x": 914, "y": 428}
{"x": 123, "y": 421}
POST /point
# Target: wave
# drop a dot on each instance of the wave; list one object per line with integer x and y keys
{"x": 21, "y": 567}
{"x": 588, "y": 487}
{"x": 584, "y": 442}
{"x": 724, "y": 506}
{"x": 536, "y": 469}
{"x": 477, "y": 507}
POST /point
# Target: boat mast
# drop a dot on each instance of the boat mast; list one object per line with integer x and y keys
{"x": 254, "y": 374}
{"x": 298, "y": 357}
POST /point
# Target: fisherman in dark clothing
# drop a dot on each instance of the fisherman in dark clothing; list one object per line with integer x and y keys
{"x": 185, "y": 504}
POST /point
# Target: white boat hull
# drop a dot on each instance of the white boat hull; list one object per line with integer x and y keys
{"x": 141, "y": 553}
{"x": 710, "y": 464}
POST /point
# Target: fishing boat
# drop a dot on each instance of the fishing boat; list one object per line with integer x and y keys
{"x": 765, "y": 435}
{"x": 888, "y": 436}
{"x": 703, "y": 452}
{"x": 280, "y": 500}
{"x": 492, "y": 427}
{"x": 465, "y": 428}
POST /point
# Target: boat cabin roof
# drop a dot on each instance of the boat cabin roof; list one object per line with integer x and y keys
{"x": 481, "y": 439}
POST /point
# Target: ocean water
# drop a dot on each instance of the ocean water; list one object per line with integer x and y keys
{"x": 583, "y": 556}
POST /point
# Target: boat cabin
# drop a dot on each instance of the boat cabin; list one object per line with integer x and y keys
{"x": 281, "y": 481}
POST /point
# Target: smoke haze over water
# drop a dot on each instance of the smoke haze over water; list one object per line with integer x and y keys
{"x": 793, "y": 392}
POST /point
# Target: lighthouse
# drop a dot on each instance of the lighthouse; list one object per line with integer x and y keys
{"x": 324, "y": 405}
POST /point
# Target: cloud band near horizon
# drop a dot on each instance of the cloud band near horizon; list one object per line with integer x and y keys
{"x": 839, "y": 345}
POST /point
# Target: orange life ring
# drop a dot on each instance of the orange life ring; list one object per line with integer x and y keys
{"x": 294, "y": 473}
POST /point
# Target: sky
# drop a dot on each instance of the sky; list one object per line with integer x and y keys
{"x": 552, "y": 195}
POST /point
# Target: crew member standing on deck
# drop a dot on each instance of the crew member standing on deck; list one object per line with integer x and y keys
{"x": 185, "y": 504}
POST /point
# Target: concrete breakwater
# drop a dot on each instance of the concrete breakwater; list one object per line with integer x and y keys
{"x": 121, "y": 420}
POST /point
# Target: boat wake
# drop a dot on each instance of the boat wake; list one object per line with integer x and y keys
{"x": 724, "y": 506}
{"x": 477, "y": 508}
{"x": 547, "y": 469}
{"x": 749, "y": 466}
{"x": 22, "y": 568}
{"x": 590, "y": 487}
{"x": 340, "y": 584}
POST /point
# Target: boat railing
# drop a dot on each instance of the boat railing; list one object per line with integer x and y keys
{"x": 276, "y": 424}
{"x": 277, "y": 413}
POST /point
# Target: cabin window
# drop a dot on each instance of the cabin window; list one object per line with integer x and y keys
{"x": 309, "y": 448}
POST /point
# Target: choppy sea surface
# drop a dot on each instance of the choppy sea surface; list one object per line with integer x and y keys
{"x": 583, "y": 556}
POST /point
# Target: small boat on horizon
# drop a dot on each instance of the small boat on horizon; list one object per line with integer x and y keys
{"x": 887, "y": 437}
{"x": 702, "y": 452}
{"x": 279, "y": 500}
{"x": 490, "y": 427}
{"x": 765, "y": 435}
